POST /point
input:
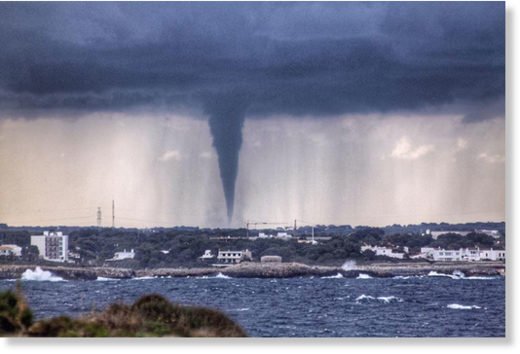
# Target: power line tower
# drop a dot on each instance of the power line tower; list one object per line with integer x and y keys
{"x": 113, "y": 214}
{"x": 98, "y": 217}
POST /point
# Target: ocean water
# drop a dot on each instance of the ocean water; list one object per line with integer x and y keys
{"x": 428, "y": 306}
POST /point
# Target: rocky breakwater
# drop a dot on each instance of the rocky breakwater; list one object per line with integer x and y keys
{"x": 176, "y": 272}
{"x": 67, "y": 273}
{"x": 424, "y": 268}
{"x": 277, "y": 270}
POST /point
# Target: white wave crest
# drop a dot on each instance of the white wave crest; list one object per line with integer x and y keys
{"x": 479, "y": 278}
{"x": 401, "y": 277}
{"x": 222, "y": 276}
{"x": 363, "y": 276}
{"x": 143, "y": 278}
{"x": 40, "y": 275}
{"x": 218, "y": 276}
{"x": 389, "y": 299}
{"x": 364, "y": 298}
{"x": 457, "y": 274}
{"x": 337, "y": 276}
{"x": 106, "y": 279}
{"x": 383, "y": 299}
{"x": 463, "y": 307}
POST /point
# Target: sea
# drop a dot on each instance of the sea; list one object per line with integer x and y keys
{"x": 434, "y": 305}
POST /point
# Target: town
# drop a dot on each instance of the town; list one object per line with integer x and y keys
{"x": 194, "y": 247}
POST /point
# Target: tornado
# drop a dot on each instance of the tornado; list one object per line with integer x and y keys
{"x": 226, "y": 119}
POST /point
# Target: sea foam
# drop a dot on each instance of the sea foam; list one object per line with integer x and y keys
{"x": 463, "y": 307}
{"x": 143, "y": 278}
{"x": 363, "y": 276}
{"x": 382, "y": 299}
{"x": 458, "y": 275}
{"x": 40, "y": 275}
{"x": 218, "y": 276}
{"x": 337, "y": 276}
{"x": 106, "y": 279}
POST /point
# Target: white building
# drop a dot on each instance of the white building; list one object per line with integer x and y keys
{"x": 493, "y": 255}
{"x": 447, "y": 255}
{"x": 119, "y": 256}
{"x": 53, "y": 246}
{"x": 470, "y": 255}
{"x": 10, "y": 250}
{"x": 466, "y": 254}
{"x": 233, "y": 257}
{"x": 382, "y": 251}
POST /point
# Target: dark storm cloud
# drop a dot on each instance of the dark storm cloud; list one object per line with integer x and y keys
{"x": 229, "y": 60}
{"x": 299, "y": 58}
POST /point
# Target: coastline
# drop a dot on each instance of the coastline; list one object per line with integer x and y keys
{"x": 266, "y": 270}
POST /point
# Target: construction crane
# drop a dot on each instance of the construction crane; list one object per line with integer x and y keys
{"x": 248, "y": 223}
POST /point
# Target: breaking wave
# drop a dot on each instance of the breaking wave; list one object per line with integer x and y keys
{"x": 407, "y": 276}
{"x": 474, "y": 277}
{"x": 40, "y": 275}
{"x": 337, "y": 276}
{"x": 383, "y": 299}
{"x": 106, "y": 279}
{"x": 242, "y": 309}
{"x": 363, "y": 276}
{"x": 218, "y": 276}
{"x": 222, "y": 276}
{"x": 463, "y": 307}
{"x": 459, "y": 275}
{"x": 143, "y": 278}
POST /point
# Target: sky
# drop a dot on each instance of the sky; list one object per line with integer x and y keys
{"x": 213, "y": 114}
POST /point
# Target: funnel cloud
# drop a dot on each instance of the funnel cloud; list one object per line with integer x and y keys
{"x": 226, "y": 120}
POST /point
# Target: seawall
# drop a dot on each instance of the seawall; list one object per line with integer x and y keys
{"x": 264, "y": 270}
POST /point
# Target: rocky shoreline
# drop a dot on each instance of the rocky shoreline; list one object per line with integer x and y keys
{"x": 266, "y": 270}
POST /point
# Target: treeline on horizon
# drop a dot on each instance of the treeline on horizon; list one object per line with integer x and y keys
{"x": 182, "y": 247}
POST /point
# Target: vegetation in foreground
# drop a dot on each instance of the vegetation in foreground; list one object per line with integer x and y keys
{"x": 150, "y": 316}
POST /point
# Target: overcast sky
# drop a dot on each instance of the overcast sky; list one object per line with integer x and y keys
{"x": 205, "y": 113}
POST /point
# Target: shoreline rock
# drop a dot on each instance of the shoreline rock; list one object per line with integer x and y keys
{"x": 265, "y": 270}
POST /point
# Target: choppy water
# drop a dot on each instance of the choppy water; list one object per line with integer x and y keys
{"x": 430, "y": 306}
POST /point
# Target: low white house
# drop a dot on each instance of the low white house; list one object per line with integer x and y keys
{"x": 10, "y": 250}
{"x": 119, "y": 256}
{"x": 471, "y": 254}
{"x": 493, "y": 255}
{"x": 382, "y": 251}
{"x": 447, "y": 255}
{"x": 462, "y": 254}
{"x": 233, "y": 257}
